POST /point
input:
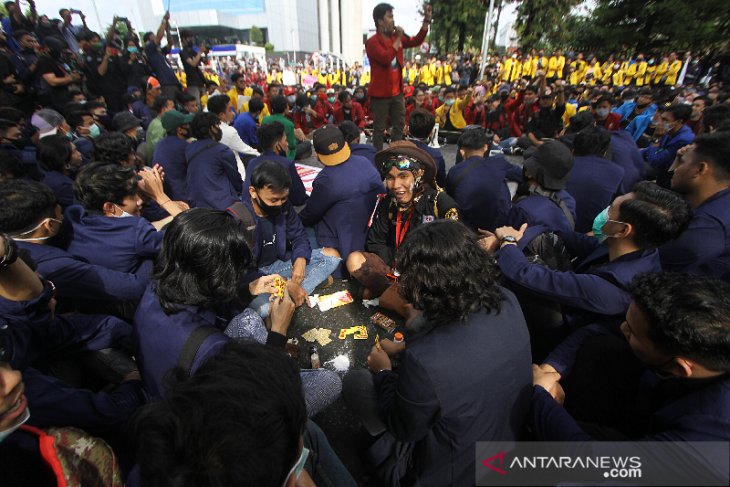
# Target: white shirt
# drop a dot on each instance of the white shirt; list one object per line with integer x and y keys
{"x": 230, "y": 137}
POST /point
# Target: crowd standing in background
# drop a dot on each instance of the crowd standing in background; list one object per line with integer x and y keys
{"x": 575, "y": 260}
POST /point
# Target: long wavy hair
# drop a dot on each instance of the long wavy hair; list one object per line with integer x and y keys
{"x": 446, "y": 274}
{"x": 203, "y": 261}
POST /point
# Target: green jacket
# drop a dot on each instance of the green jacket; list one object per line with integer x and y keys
{"x": 289, "y": 127}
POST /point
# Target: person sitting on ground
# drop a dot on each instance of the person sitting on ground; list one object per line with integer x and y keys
{"x": 672, "y": 358}
{"x": 221, "y": 107}
{"x": 661, "y": 153}
{"x": 280, "y": 243}
{"x": 247, "y": 123}
{"x": 472, "y": 331}
{"x": 280, "y": 113}
{"x": 412, "y": 201}
{"x": 264, "y": 438}
{"x": 213, "y": 176}
{"x": 275, "y": 147}
{"x": 625, "y": 241}
{"x": 420, "y": 128}
{"x": 353, "y": 135}
{"x": 170, "y": 153}
{"x": 343, "y": 194}
{"x": 155, "y": 130}
{"x": 450, "y": 115}
{"x": 199, "y": 281}
{"x": 33, "y": 218}
{"x": 348, "y": 110}
{"x": 59, "y": 159}
{"x": 604, "y": 116}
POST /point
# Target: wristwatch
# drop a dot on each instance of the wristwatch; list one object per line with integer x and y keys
{"x": 507, "y": 239}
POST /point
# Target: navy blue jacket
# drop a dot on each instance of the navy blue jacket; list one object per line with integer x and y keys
{"x": 77, "y": 279}
{"x": 367, "y": 151}
{"x": 593, "y": 182}
{"x": 297, "y": 193}
{"x": 213, "y": 177}
{"x": 704, "y": 247}
{"x": 482, "y": 194}
{"x": 459, "y": 383}
{"x": 343, "y": 197}
{"x": 660, "y": 158}
{"x": 595, "y": 292}
{"x": 121, "y": 244}
{"x": 62, "y": 186}
{"x": 246, "y": 127}
{"x": 170, "y": 154}
{"x": 86, "y": 148}
{"x": 291, "y": 238}
{"x": 141, "y": 110}
{"x": 29, "y": 334}
{"x": 438, "y": 158}
{"x": 539, "y": 210}
{"x": 626, "y": 154}
{"x": 700, "y": 414}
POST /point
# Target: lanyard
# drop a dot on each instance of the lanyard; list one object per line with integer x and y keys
{"x": 400, "y": 232}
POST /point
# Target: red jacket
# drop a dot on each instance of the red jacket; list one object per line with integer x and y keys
{"x": 612, "y": 122}
{"x": 356, "y": 113}
{"x": 410, "y": 107}
{"x": 324, "y": 110}
{"x": 380, "y": 52}
{"x": 300, "y": 122}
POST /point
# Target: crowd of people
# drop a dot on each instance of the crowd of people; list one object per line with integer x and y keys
{"x": 566, "y": 279}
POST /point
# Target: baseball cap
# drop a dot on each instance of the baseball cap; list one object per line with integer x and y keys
{"x": 124, "y": 121}
{"x": 330, "y": 146}
{"x": 152, "y": 82}
{"x": 550, "y": 164}
{"x": 172, "y": 119}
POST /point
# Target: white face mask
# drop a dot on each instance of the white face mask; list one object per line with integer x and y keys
{"x": 124, "y": 213}
{"x": 602, "y": 112}
{"x": 11, "y": 430}
{"x": 37, "y": 239}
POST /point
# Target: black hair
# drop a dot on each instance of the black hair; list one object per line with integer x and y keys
{"x": 202, "y": 262}
{"x": 53, "y": 152}
{"x": 350, "y": 131}
{"x": 531, "y": 88}
{"x": 217, "y": 104}
{"x": 715, "y": 115}
{"x": 91, "y": 105}
{"x": 112, "y": 147}
{"x": 269, "y": 133}
{"x": 236, "y": 76}
{"x": 302, "y": 100}
{"x": 420, "y": 123}
{"x": 681, "y": 112}
{"x": 11, "y": 165}
{"x": 255, "y": 441}
{"x": 7, "y": 124}
{"x": 159, "y": 103}
{"x": 18, "y": 34}
{"x": 12, "y": 114}
{"x": 24, "y": 204}
{"x": 255, "y": 105}
{"x": 449, "y": 89}
{"x": 603, "y": 98}
{"x": 473, "y": 139}
{"x": 689, "y": 316}
{"x": 255, "y": 90}
{"x": 272, "y": 175}
{"x": 343, "y": 96}
{"x": 591, "y": 141}
{"x": 715, "y": 149}
{"x": 147, "y": 36}
{"x": 202, "y": 123}
{"x": 380, "y": 10}
{"x": 278, "y": 104}
{"x": 704, "y": 99}
{"x": 446, "y": 274}
{"x": 658, "y": 215}
{"x": 102, "y": 182}
{"x": 187, "y": 98}
{"x": 76, "y": 118}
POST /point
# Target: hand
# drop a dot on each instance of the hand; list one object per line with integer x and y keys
{"x": 151, "y": 184}
{"x": 166, "y": 17}
{"x": 182, "y": 205}
{"x": 134, "y": 375}
{"x": 427, "y": 12}
{"x": 378, "y": 360}
{"x": 75, "y": 76}
{"x": 550, "y": 369}
{"x": 10, "y": 80}
{"x": 263, "y": 285}
{"x": 399, "y": 32}
{"x": 310, "y": 111}
{"x": 391, "y": 348}
{"x": 299, "y": 135}
{"x": 297, "y": 292}
{"x": 299, "y": 269}
{"x": 281, "y": 312}
{"x": 470, "y": 91}
{"x": 549, "y": 382}
{"x": 502, "y": 232}
{"x": 109, "y": 51}
{"x": 489, "y": 241}
{"x": 160, "y": 170}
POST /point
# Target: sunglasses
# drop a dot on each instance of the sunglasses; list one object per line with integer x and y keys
{"x": 403, "y": 163}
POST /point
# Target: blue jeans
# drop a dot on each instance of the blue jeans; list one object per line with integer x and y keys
{"x": 320, "y": 266}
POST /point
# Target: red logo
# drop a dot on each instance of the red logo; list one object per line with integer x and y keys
{"x": 488, "y": 463}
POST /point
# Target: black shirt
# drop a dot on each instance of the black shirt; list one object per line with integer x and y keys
{"x": 547, "y": 122}
{"x": 268, "y": 253}
{"x": 192, "y": 73}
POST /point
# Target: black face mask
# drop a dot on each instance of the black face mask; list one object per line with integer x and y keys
{"x": 269, "y": 210}
{"x": 642, "y": 105}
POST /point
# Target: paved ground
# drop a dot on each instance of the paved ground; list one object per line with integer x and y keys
{"x": 342, "y": 428}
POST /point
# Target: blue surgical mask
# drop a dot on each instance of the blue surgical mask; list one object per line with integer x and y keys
{"x": 449, "y": 102}
{"x": 598, "y": 224}
{"x": 132, "y": 50}
{"x": 94, "y": 131}
{"x": 124, "y": 213}
{"x": 299, "y": 466}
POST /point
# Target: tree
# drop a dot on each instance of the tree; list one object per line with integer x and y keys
{"x": 460, "y": 20}
{"x": 541, "y": 23}
{"x": 256, "y": 35}
{"x": 269, "y": 47}
{"x": 615, "y": 25}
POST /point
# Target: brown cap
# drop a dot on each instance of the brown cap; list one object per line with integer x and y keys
{"x": 408, "y": 148}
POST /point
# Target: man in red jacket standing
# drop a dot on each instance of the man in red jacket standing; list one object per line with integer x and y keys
{"x": 385, "y": 52}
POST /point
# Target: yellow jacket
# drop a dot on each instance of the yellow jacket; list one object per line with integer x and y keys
{"x": 607, "y": 70}
{"x": 506, "y": 72}
{"x": 568, "y": 114}
{"x": 661, "y": 70}
{"x": 517, "y": 69}
{"x": 629, "y": 73}
{"x": 364, "y": 78}
{"x": 425, "y": 75}
{"x": 597, "y": 74}
{"x": 673, "y": 72}
{"x": 447, "y": 74}
{"x": 264, "y": 113}
{"x": 618, "y": 77}
{"x": 552, "y": 66}
{"x": 438, "y": 74}
{"x": 528, "y": 68}
{"x": 641, "y": 72}
{"x": 410, "y": 75}
{"x": 650, "y": 70}
{"x": 233, "y": 96}
{"x": 456, "y": 114}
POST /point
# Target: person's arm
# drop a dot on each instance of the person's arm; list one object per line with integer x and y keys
{"x": 17, "y": 281}
{"x": 322, "y": 199}
{"x": 297, "y": 193}
{"x": 103, "y": 67}
{"x": 54, "y": 80}
{"x": 164, "y": 27}
{"x": 379, "y": 53}
{"x": 148, "y": 240}
{"x": 153, "y": 187}
{"x": 296, "y": 234}
{"x": 237, "y": 144}
{"x": 195, "y": 60}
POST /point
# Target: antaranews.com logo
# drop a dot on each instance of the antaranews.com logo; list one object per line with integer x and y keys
{"x": 608, "y": 463}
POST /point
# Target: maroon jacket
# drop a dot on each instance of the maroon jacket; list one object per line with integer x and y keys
{"x": 380, "y": 52}
{"x": 356, "y": 113}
